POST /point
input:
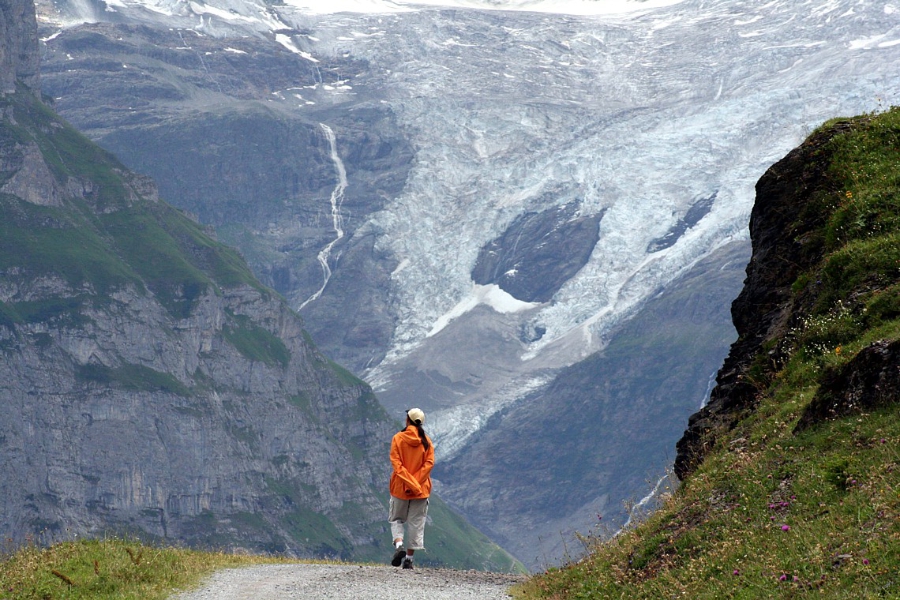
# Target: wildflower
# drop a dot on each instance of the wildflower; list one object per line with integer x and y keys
{"x": 785, "y": 527}
{"x": 865, "y": 561}
{"x": 796, "y": 578}
{"x": 837, "y": 350}
{"x": 736, "y": 572}
{"x": 782, "y": 578}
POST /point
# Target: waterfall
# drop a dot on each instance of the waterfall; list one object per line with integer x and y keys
{"x": 337, "y": 219}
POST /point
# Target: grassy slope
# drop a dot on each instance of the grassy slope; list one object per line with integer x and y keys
{"x": 105, "y": 241}
{"x": 108, "y": 569}
{"x": 452, "y": 541}
{"x": 770, "y": 513}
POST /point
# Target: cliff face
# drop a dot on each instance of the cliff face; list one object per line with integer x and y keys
{"x": 786, "y": 293}
{"x": 208, "y": 125}
{"x": 149, "y": 382}
{"x": 798, "y": 447}
{"x": 19, "y": 59}
{"x": 782, "y": 249}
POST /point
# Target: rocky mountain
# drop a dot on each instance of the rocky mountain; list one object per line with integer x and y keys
{"x": 486, "y": 209}
{"x": 151, "y": 385}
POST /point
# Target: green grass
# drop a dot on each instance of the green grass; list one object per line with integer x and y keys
{"x": 772, "y": 513}
{"x": 345, "y": 377}
{"x": 452, "y": 541}
{"x": 132, "y": 377}
{"x": 109, "y": 237}
{"x": 39, "y": 241}
{"x": 111, "y": 569}
{"x": 255, "y": 343}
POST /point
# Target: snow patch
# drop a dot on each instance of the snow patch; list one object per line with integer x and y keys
{"x": 403, "y": 264}
{"x": 288, "y": 43}
{"x": 490, "y": 295}
{"x": 569, "y": 7}
{"x": 866, "y": 43}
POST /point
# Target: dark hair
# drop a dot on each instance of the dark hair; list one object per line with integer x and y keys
{"x": 421, "y": 430}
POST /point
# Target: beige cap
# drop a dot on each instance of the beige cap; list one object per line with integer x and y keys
{"x": 416, "y": 415}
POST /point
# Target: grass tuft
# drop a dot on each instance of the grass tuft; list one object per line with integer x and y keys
{"x": 110, "y": 569}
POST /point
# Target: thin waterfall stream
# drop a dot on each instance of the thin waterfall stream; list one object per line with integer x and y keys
{"x": 337, "y": 218}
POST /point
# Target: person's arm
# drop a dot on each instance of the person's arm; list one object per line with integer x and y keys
{"x": 425, "y": 471}
{"x": 401, "y": 471}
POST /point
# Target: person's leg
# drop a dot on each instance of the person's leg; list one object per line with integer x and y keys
{"x": 399, "y": 514}
{"x": 415, "y": 525}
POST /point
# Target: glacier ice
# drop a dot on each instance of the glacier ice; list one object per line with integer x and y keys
{"x": 636, "y": 109}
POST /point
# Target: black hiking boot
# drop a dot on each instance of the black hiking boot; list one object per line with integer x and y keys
{"x": 398, "y": 557}
{"x": 408, "y": 562}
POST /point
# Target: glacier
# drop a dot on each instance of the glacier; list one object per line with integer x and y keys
{"x": 633, "y": 110}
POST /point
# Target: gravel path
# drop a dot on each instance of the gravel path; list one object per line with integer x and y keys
{"x": 350, "y": 582}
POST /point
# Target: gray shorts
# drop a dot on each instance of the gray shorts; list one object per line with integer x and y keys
{"x": 409, "y": 515}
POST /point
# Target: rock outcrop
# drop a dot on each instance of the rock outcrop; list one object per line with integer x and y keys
{"x": 19, "y": 58}
{"x": 784, "y": 228}
{"x": 870, "y": 381}
{"x": 150, "y": 384}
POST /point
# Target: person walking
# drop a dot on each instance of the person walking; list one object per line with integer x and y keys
{"x": 412, "y": 458}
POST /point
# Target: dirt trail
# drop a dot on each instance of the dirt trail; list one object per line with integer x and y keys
{"x": 351, "y": 582}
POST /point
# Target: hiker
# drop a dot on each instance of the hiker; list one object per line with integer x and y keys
{"x": 412, "y": 456}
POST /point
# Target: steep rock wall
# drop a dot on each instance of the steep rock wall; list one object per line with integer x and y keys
{"x": 19, "y": 59}
{"x": 150, "y": 384}
{"x": 783, "y": 229}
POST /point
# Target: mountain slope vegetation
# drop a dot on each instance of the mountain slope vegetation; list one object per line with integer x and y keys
{"x": 792, "y": 476}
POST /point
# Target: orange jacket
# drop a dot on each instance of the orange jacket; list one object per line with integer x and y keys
{"x": 411, "y": 479}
